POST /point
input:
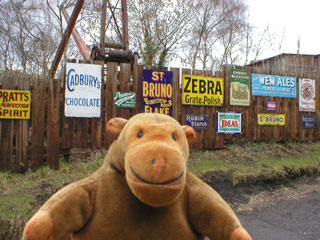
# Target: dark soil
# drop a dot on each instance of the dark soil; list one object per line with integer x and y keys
{"x": 239, "y": 194}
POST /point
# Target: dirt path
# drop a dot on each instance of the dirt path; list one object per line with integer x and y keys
{"x": 283, "y": 214}
{"x": 287, "y": 220}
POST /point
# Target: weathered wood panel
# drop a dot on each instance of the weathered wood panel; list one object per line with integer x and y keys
{"x": 111, "y": 87}
{"x": 53, "y": 124}
{"x": 21, "y": 162}
{"x": 38, "y": 100}
{"x": 6, "y": 155}
{"x": 125, "y": 86}
{"x": 97, "y": 123}
{"x": 137, "y": 86}
{"x": 91, "y": 133}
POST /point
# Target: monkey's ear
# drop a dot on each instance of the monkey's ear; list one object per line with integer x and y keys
{"x": 115, "y": 125}
{"x": 190, "y": 133}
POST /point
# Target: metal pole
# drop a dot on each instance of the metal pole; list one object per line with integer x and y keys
{"x": 103, "y": 28}
{"x": 125, "y": 41}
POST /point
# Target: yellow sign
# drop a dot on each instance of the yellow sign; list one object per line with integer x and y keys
{"x": 199, "y": 90}
{"x": 15, "y": 104}
{"x": 271, "y": 119}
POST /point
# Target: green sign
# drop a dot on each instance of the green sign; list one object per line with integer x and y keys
{"x": 124, "y": 100}
{"x": 240, "y": 87}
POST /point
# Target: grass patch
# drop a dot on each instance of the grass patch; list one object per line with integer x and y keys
{"x": 251, "y": 162}
{"x": 22, "y": 194}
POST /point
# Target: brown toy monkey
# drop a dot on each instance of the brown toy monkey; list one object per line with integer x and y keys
{"x": 143, "y": 191}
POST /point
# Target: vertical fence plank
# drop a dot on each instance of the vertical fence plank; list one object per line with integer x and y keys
{"x": 96, "y": 123}
{"x": 258, "y": 109}
{"x": 220, "y": 138}
{"x": 125, "y": 86}
{"x": 198, "y": 110}
{"x": 317, "y": 113}
{"x": 111, "y": 87}
{"x": 176, "y": 94}
{"x": 137, "y": 86}
{"x": 294, "y": 121}
{"x": 20, "y": 163}
{"x": 6, "y": 157}
{"x": 208, "y": 134}
{"x": 38, "y": 122}
{"x": 67, "y": 135}
{"x": 67, "y": 128}
{"x": 186, "y": 109}
{"x": 82, "y": 134}
{"x": 53, "y": 124}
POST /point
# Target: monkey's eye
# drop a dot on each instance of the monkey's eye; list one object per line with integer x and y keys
{"x": 174, "y": 137}
{"x": 140, "y": 134}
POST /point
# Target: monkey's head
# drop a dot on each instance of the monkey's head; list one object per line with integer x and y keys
{"x": 152, "y": 151}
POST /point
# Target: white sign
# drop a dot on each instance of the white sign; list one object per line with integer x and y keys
{"x": 83, "y": 90}
{"x": 307, "y": 95}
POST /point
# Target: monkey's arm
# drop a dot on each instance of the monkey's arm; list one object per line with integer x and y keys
{"x": 210, "y": 215}
{"x": 66, "y": 211}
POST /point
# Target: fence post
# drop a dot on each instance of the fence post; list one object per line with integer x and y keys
{"x": 6, "y": 154}
{"x": 53, "y": 124}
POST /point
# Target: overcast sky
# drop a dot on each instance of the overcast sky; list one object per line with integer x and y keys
{"x": 295, "y": 18}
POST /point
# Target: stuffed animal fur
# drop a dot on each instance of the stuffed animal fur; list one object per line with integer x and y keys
{"x": 143, "y": 191}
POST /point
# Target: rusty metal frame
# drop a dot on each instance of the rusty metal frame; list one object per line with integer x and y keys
{"x": 65, "y": 38}
{"x": 85, "y": 52}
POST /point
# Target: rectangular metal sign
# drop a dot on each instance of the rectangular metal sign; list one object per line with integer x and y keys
{"x": 197, "y": 121}
{"x": 15, "y": 104}
{"x": 271, "y": 105}
{"x": 240, "y": 87}
{"x": 228, "y": 123}
{"x": 271, "y": 119}
{"x": 309, "y": 121}
{"x": 307, "y": 95}
{"x": 202, "y": 91}
{"x": 124, "y": 100}
{"x": 274, "y": 86}
{"x": 157, "y": 92}
{"x": 83, "y": 90}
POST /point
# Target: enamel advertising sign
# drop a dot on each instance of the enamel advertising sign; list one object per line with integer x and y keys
{"x": 15, "y": 104}
{"x": 197, "y": 121}
{"x": 83, "y": 90}
{"x": 307, "y": 95}
{"x": 271, "y": 119}
{"x": 157, "y": 92}
{"x": 273, "y": 86}
{"x": 228, "y": 123}
{"x": 309, "y": 121}
{"x": 124, "y": 100}
{"x": 202, "y": 91}
{"x": 240, "y": 87}
{"x": 271, "y": 105}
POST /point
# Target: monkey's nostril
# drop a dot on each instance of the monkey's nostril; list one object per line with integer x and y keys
{"x": 153, "y": 162}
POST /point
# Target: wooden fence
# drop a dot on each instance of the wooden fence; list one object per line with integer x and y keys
{"x": 29, "y": 144}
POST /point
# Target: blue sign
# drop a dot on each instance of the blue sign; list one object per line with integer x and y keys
{"x": 309, "y": 121}
{"x": 272, "y": 106}
{"x": 274, "y": 86}
{"x": 197, "y": 121}
{"x": 157, "y": 91}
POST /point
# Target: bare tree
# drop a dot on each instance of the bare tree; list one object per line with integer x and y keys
{"x": 157, "y": 27}
{"x": 29, "y": 36}
{"x": 217, "y": 24}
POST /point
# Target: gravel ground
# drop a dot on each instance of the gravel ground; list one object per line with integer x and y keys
{"x": 286, "y": 213}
